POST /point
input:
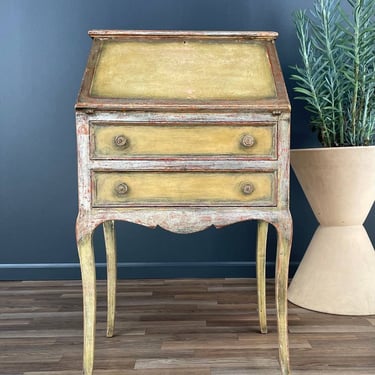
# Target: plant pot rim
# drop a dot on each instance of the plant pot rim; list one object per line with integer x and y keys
{"x": 331, "y": 149}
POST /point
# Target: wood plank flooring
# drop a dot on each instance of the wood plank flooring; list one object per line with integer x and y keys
{"x": 174, "y": 327}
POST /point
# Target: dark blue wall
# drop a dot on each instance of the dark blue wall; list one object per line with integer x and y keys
{"x": 43, "y": 52}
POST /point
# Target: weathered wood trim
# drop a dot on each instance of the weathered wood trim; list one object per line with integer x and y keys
{"x": 183, "y": 164}
{"x": 267, "y": 35}
{"x": 281, "y": 91}
{"x": 284, "y": 159}
{"x": 223, "y": 116}
{"x": 183, "y": 220}
{"x": 89, "y": 71}
{"x": 107, "y": 104}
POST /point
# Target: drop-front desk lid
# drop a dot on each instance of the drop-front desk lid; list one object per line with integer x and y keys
{"x": 183, "y": 70}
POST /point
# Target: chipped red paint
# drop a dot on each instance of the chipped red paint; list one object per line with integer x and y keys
{"x": 83, "y": 129}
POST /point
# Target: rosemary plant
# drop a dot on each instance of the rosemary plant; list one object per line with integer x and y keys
{"x": 337, "y": 75}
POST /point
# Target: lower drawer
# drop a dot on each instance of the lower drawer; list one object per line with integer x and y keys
{"x": 120, "y": 189}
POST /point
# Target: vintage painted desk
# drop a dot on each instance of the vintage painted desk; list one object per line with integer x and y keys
{"x": 182, "y": 130}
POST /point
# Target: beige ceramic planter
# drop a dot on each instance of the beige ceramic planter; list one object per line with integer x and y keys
{"x": 337, "y": 273}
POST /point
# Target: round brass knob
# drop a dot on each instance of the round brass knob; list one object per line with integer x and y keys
{"x": 121, "y": 141}
{"x": 122, "y": 189}
{"x": 247, "y": 188}
{"x": 248, "y": 140}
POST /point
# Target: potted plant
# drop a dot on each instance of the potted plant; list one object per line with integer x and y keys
{"x": 337, "y": 82}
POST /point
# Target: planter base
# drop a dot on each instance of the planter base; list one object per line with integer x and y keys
{"x": 337, "y": 273}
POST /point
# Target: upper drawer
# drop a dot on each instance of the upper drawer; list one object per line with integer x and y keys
{"x": 123, "y": 140}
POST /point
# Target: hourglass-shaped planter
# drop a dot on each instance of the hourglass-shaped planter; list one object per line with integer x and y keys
{"x": 337, "y": 273}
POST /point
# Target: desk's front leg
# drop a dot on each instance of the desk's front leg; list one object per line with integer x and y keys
{"x": 87, "y": 261}
{"x": 284, "y": 242}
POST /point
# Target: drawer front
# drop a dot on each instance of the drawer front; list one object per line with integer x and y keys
{"x": 183, "y": 188}
{"x": 132, "y": 140}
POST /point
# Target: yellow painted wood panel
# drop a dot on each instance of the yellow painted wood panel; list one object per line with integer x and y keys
{"x": 183, "y": 69}
{"x": 195, "y": 188}
{"x": 182, "y": 140}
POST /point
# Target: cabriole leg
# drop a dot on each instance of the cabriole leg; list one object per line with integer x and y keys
{"x": 110, "y": 246}
{"x": 261, "y": 273}
{"x": 87, "y": 261}
{"x": 284, "y": 241}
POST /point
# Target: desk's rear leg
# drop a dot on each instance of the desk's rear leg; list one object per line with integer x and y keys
{"x": 261, "y": 273}
{"x": 110, "y": 246}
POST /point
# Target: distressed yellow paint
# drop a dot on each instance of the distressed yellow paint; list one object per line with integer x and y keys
{"x": 169, "y": 188}
{"x": 183, "y": 140}
{"x": 261, "y": 273}
{"x": 111, "y": 256}
{"x": 183, "y": 69}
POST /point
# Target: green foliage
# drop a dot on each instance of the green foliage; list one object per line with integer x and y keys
{"x": 337, "y": 76}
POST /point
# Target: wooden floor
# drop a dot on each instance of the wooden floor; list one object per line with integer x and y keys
{"x": 173, "y": 327}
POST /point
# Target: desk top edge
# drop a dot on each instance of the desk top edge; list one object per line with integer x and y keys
{"x": 107, "y": 34}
